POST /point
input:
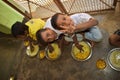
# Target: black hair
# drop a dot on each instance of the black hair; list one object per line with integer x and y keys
{"x": 18, "y": 28}
{"x": 39, "y": 37}
{"x": 54, "y": 21}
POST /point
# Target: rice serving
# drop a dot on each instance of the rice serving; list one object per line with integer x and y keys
{"x": 81, "y": 55}
{"x": 100, "y": 64}
{"x": 55, "y": 54}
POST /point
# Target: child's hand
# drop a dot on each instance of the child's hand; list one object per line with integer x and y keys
{"x": 77, "y": 43}
{"x": 51, "y": 49}
{"x": 80, "y": 47}
{"x": 65, "y": 29}
{"x": 72, "y": 28}
{"x": 68, "y": 29}
{"x": 31, "y": 48}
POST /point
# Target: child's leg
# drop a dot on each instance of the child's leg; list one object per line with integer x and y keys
{"x": 94, "y": 34}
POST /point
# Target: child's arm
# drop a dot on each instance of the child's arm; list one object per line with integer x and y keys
{"x": 86, "y": 25}
{"x": 77, "y": 43}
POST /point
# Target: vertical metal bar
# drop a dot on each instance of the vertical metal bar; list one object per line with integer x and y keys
{"x": 88, "y": 4}
{"x": 97, "y": 5}
{"x": 94, "y": 5}
{"x": 115, "y": 3}
{"x": 77, "y": 7}
{"x": 69, "y": 3}
{"x": 50, "y": 5}
{"x": 80, "y": 3}
{"x": 71, "y": 6}
{"x": 100, "y": 7}
{"x": 66, "y": 5}
{"x": 85, "y": 5}
{"x": 46, "y": 5}
{"x": 42, "y": 6}
{"x": 80, "y": 6}
{"x": 29, "y": 8}
{"x": 60, "y": 6}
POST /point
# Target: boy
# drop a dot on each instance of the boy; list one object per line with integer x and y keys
{"x": 82, "y": 22}
{"x": 27, "y": 31}
{"x": 114, "y": 39}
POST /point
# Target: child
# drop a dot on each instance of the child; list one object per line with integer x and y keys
{"x": 114, "y": 39}
{"x": 27, "y": 31}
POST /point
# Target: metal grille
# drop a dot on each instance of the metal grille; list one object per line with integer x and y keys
{"x": 46, "y": 8}
{"x": 74, "y": 6}
{"x": 40, "y": 8}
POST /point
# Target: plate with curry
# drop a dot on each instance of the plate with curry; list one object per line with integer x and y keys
{"x": 114, "y": 59}
{"x": 81, "y": 55}
{"x": 55, "y": 54}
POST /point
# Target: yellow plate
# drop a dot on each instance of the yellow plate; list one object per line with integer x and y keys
{"x": 55, "y": 54}
{"x": 33, "y": 53}
{"x": 83, "y": 55}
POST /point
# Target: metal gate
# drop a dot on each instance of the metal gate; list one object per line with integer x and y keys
{"x": 46, "y": 8}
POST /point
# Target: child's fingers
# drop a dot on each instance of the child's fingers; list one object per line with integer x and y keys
{"x": 64, "y": 31}
{"x": 64, "y": 27}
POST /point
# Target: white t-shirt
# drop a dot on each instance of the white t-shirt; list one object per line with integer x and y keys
{"x": 77, "y": 19}
{"x": 48, "y": 25}
{"x": 80, "y": 18}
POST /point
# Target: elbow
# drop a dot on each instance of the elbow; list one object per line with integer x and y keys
{"x": 94, "y": 21}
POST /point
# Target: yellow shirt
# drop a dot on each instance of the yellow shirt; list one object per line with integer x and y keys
{"x": 34, "y": 25}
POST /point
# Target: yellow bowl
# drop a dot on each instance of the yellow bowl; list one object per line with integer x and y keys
{"x": 100, "y": 64}
{"x": 83, "y": 55}
{"x": 55, "y": 54}
{"x": 41, "y": 54}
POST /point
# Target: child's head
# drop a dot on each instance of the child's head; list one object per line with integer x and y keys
{"x": 46, "y": 35}
{"x": 59, "y": 20}
{"x": 19, "y": 30}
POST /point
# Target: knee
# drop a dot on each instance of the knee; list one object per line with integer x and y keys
{"x": 113, "y": 41}
{"x": 98, "y": 38}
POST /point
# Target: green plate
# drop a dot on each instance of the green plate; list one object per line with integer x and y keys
{"x": 114, "y": 59}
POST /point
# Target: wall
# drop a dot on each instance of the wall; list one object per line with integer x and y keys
{"x": 8, "y": 16}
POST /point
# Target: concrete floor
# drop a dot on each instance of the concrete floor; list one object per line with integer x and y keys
{"x": 14, "y": 61}
{"x": 10, "y": 51}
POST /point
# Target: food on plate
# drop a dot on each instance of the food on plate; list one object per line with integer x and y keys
{"x": 100, "y": 64}
{"x": 42, "y": 54}
{"x": 34, "y": 52}
{"x": 55, "y": 53}
{"x": 115, "y": 58}
{"x": 81, "y": 55}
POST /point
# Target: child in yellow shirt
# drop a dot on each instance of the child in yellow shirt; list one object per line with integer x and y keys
{"x": 27, "y": 31}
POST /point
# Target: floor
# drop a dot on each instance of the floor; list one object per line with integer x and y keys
{"x": 15, "y": 62}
